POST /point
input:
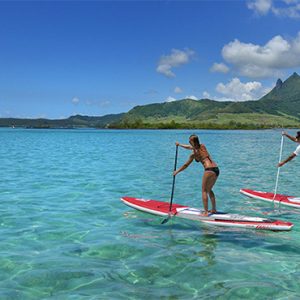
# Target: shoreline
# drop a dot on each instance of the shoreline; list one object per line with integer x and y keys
{"x": 181, "y": 128}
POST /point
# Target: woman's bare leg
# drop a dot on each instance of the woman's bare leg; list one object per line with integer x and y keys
{"x": 204, "y": 193}
{"x": 213, "y": 202}
{"x": 210, "y": 183}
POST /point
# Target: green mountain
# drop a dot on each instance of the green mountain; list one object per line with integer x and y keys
{"x": 76, "y": 121}
{"x": 280, "y": 107}
{"x": 284, "y": 97}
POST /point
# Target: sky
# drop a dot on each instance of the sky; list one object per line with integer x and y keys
{"x": 61, "y": 58}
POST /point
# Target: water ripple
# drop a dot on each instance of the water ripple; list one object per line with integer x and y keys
{"x": 66, "y": 234}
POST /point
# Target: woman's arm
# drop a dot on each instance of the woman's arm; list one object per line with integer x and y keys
{"x": 292, "y": 138}
{"x": 183, "y": 167}
{"x": 286, "y": 160}
{"x": 189, "y": 147}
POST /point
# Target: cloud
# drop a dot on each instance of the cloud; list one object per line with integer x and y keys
{"x": 100, "y": 103}
{"x": 178, "y": 90}
{"x": 191, "y": 97}
{"x": 42, "y": 116}
{"x": 235, "y": 90}
{"x": 151, "y": 92}
{"x": 75, "y": 100}
{"x": 282, "y": 8}
{"x": 220, "y": 68}
{"x": 105, "y": 103}
{"x": 256, "y": 61}
{"x": 260, "y": 7}
{"x": 206, "y": 95}
{"x": 292, "y": 11}
{"x": 170, "y": 99}
{"x": 175, "y": 59}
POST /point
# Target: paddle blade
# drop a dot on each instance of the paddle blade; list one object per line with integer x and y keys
{"x": 164, "y": 221}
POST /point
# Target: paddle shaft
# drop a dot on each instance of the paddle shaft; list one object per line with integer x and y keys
{"x": 278, "y": 169}
{"x": 173, "y": 185}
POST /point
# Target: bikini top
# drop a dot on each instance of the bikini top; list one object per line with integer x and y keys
{"x": 201, "y": 154}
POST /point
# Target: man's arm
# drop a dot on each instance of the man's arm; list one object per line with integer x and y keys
{"x": 292, "y": 138}
{"x": 286, "y": 160}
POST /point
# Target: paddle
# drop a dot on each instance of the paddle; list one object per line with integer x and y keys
{"x": 173, "y": 186}
{"x": 278, "y": 169}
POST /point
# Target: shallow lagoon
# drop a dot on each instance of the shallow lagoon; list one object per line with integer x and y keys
{"x": 65, "y": 234}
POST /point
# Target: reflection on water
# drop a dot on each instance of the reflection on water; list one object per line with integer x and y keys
{"x": 209, "y": 244}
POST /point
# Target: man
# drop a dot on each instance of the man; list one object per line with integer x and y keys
{"x": 296, "y": 152}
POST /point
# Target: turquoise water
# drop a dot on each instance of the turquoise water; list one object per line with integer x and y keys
{"x": 66, "y": 235}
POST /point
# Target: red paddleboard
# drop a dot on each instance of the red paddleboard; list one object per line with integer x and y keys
{"x": 282, "y": 199}
{"x": 160, "y": 208}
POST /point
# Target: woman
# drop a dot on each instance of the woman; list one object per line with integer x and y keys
{"x": 211, "y": 171}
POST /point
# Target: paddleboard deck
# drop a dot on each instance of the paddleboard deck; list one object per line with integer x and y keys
{"x": 282, "y": 199}
{"x": 161, "y": 208}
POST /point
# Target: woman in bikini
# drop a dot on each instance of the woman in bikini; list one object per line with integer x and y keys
{"x": 211, "y": 171}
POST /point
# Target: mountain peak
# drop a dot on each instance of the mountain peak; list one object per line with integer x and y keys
{"x": 278, "y": 84}
{"x": 293, "y": 79}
